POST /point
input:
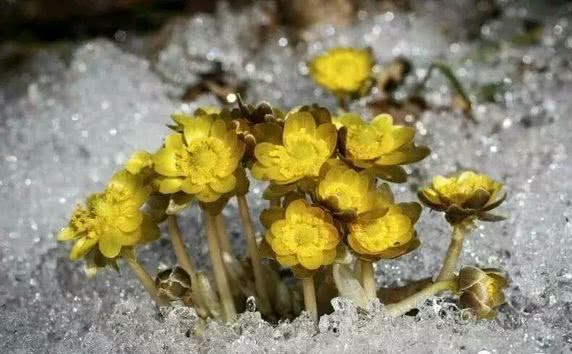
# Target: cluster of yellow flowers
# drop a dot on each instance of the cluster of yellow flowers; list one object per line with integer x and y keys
{"x": 329, "y": 200}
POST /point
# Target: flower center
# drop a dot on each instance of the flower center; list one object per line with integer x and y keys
{"x": 206, "y": 157}
{"x": 364, "y": 142}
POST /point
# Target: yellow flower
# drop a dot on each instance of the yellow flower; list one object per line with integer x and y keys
{"x": 388, "y": 236}
{"x": 463, "y": 196}
{"x": 303, "y": 149}
{"x": 343, "y": 190}
{"x": 302, "y": 235}
{"x": 201, "y": 161}
{"x": 378, "y": 145}
{"x": 344, "y": 71}
{"x": 481, "y": 290}
{"x": 112, "y": 219}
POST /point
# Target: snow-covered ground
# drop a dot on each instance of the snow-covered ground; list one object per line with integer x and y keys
{"x": 71, "y": 115}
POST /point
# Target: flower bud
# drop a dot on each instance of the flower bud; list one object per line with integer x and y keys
{"x": 174, "y": 284}
{"x": 481, "y": 290}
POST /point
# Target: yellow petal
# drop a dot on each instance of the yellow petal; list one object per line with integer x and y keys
{"x": 207, "y": 195}
{"x": 382, "y": 122}
{"x": 219, "y": 130}
{"x": 399, "y": 137}
{"x": 66, "y": 234}
{"x": 165, "y": 162}
{"x": 298, "y": 123}
{"x": 110, "y": 243}
{"x": 189, "y": 187}
{"x": 223, "y": 185}
{"x": 329, "y": 256}
{"x": 130, "y": 221}
{"x": 198, "y": 128}
{"x": 329, "y": 134}
{"x": 82, "y": 247}
{"x": 174, "y": 141}
{"x": 265, "y": 153}
{"x": 311, "y": 260}
{"x": 287, "y": 261}
{"x": 295, "y": 209}
{"x": 170, "y": 185}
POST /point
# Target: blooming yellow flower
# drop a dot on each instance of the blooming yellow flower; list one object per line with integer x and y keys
{"x": 112, "y": 219}
{"x": 304, "y": 148}
{"x": 464, "y": 195}
{"x": 302, "y": 235}
{"x": 389, "y": 236}
{"x": 343, "y": 190}
{"x": 379, "y": 145}
{"x": 344, "y": 71}
{"x": 481, "y": 290}
{"x": 201, "y": 161}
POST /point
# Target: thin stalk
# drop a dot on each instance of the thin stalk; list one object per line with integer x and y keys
{"x": 179, "y": 247}
{"x": 368, "y": 279}
{"x": 145, "y": 280}
{"x": 453, "y": 253}
{"x": 229, "y": 311}
{"x": 407, "y": 304}
{"x": 253, "y": 251}
{"x": 223, "y": 241}
{"x": 310, "y": 298}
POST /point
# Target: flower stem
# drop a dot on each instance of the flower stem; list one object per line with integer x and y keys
{"x": 253, "y": 251}
{"x": 179, "y": 247}
{"x": 409, "y": 303}
{"x": 368, "y": 279}
{"x": 453, "y": 253}
{"x": 145, "y": 279}
{"x": 310, "y": 298}
{"x": 221, "y": 280}
{"x": 223, "y": 241}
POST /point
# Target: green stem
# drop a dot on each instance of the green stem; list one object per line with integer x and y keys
{"x": 405, "y": 305}
{"x": 368, "y": 279}
{"x": 310, "y": 298}
{"x": 453, "y": 253}
{"x": 179, "y": 247}
{"x": 221, "y": 280}
{"x": 253, "y": 251}
{"x": 145, "y": 279}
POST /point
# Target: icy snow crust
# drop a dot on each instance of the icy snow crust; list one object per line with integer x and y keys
{"x": 71, "y": 116}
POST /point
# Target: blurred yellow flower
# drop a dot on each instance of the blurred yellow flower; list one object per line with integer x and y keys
{"x": 464, "y": 195}
{"x": 343, "y": 71}
{"x": 304, "y": 148}
{"x": 388, "y": 236}
{"x": 302, "y": 235}
{"x": 378, "y": 145}
{"x": 481, "y": 290}
{"x": 201, "y": 161}
{"x": 112, "y": 219}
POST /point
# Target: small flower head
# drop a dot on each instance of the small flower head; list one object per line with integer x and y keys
{"x": 343, "y": 71}
{"x": 378, "y": 145}
{"x": 200, "y": 161}
{"x": 464, "y": 196}
{"x": 302, "y": 150}
{"x": 388, "y": 236}
{"x": 111, "y": 220}
{"x": 481, "y": 290}
{"x": 342, "y": 190}
{"x": 301, "y": 236}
